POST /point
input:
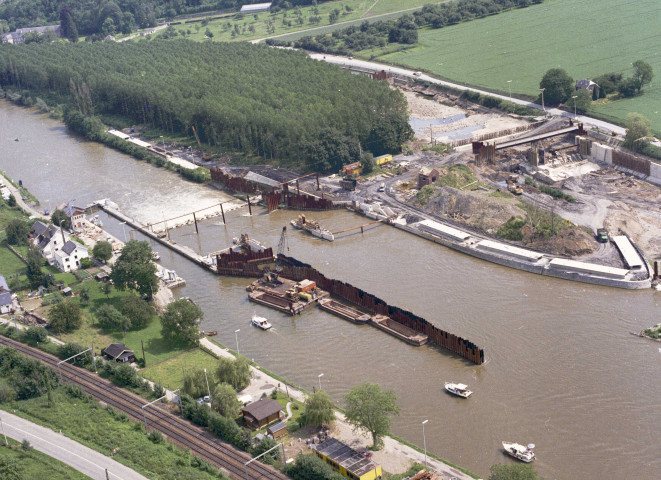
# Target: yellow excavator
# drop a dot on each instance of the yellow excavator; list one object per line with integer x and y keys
{"x": 513, "y": 185}
{"x": 205, "y": 156}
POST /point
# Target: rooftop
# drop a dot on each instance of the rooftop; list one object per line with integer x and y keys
{"x": 262, "y": 409}
{"x": 346, "y": 456}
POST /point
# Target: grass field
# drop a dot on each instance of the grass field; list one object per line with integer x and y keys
{"x": 104, "y": 430}
{"x": 585, "y": 38}
{"x": 358, "y": 12}
{"x": 170, "y": 373}
{"x": 34, "y": 464}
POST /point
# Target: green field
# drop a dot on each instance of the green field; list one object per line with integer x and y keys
{"x": 170, "y": 373}
{"x": 358, "y": 12}
{"x": 585, "y": 38}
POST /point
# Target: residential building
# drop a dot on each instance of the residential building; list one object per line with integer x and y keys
{"x": 119, "y": 353}
{"x": 20, "y": 34}
{"x": 6, "y": 297}
{"x": 48, "y": 239}
{"x": 261, "y": 413}
{"x": 587, "y": 84}
{"x": 67, "y": 258}
{"x": 77, "y": 217}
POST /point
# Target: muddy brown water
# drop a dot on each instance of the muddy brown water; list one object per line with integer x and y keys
{"x": 562, "y": 370}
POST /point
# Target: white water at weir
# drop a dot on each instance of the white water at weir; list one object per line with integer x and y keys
{"x": 562, "y": 370}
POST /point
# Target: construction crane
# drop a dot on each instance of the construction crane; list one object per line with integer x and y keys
{"x": 282, "y": 244}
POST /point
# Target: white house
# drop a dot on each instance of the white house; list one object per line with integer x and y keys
{"x": 76, "y": 215}
{"x": 6, "y": 300}
{"x": 67, "y": 258}
{"x": 48, "y": 239}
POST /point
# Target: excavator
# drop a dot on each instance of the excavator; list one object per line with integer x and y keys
{"x": 513, "y": 184}
{"x": 205, "y": 156}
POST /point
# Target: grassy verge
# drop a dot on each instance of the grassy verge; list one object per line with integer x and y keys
{"x": 170, "y": 372}
{"x": 105, "y": 430}
{"x": 31, "y": 463}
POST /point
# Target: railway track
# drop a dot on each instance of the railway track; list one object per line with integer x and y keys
{"x": 181, "y": 432}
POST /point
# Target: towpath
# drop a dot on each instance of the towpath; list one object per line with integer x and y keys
{"x": 84, "y": 459}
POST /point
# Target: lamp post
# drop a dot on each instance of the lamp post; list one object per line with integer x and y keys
{"x": 319, "y": 376}
{"x": 542, "y": 90}
{"x": 424, "y": 441}
{"x": 509, "y": 84}
{"x": 574, "y": 97}
{"x": 207, "y": 379}
{"x": 236, "y": 334}
{"x": 124, "y": 230}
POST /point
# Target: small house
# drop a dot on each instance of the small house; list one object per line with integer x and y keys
{"x": 119, "y": 353}
{"x": 261, "y": 413}
{"x": 587, "y": 84}
{"x": 355, "y": 168}
{"x": 347, "y": 461}
{"x": 277, "y": 430}
{"x": 48, "y": 239}
{"x": 256, "y": 7}
{"x": 427, "y": 176}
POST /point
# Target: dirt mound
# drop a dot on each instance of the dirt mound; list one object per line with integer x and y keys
{"x": 569, "y": 242}
{"x": 478, "y": 210}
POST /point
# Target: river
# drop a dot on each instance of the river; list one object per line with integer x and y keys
{"x": 561, "y": 370}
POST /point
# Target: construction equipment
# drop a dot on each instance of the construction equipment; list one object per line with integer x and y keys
{"x": 513, "y": 185}
{"x": 602, "y": 235}
{"x": 205, "y": 156}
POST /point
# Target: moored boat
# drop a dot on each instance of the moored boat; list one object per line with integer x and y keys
{"x": 525, "y": 454}
{"x": 458, "y": 389}
{"x": 313, "y": 227}
{"x": 260, "y": 322}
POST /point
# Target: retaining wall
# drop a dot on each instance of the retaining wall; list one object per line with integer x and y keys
{"x": 296, "y": 270}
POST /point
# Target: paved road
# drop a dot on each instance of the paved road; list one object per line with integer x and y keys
{"x": 377, "y": 67}
{"x": 84, "y": 459}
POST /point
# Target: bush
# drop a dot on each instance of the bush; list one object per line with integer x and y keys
{"x": 7, "y": 394}
{"x": 156, "y": 437}
{"x": 52, "y": 299}
{"x": 68, "y": 350}
{"x": 511, "y": 230}
{"x": 35, "y": 335}
{"x": 311, "y": 467}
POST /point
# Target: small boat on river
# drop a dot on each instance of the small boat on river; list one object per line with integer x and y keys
{"x": 260, "y": 322}
{"x": 312, "y": 226}
{"x": 458, "y": 389}
{"x": 525, "y": 454}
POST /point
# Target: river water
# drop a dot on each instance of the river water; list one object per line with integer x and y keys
{"x": 561, "y": 371}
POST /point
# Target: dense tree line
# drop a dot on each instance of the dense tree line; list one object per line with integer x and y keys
{"x": 267, "y": 103}
{"x": 403, "y": 30}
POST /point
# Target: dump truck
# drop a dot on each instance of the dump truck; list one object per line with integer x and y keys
{"x": 602, "y": 235}
{"x": 513, "y": 185}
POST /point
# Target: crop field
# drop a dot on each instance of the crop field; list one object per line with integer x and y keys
{"x": 585, "y": 38}
{"x": 351, "y": 12}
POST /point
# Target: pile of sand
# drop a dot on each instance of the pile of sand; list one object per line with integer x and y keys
{"x": 569, "y": 242}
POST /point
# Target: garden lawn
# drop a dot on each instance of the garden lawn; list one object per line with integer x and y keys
{"x": 34, "y": 464}
{"x": 156, "y": 348}
{"x": 584, "y": 38}
{"x": 170, "y": 372}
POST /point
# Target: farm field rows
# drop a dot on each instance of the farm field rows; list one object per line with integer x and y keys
{"x": 584, "y": 38}
{"x": 355, "y": 11}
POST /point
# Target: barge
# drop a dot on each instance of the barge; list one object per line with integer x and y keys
{"x": 343, "y": 311}
{"x": 313, "y": 227}
{"x": 398, "y": 330}
{"x": 283, "y": 294}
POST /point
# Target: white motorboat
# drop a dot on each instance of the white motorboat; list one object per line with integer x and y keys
{"x": 525, "y": 454}
{"x": 458, "y": 389}
{"x": 260, "y": 322}
{"x": 155, "y": 256}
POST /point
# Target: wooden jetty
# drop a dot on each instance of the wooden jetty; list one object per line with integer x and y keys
{"x": 398, "y": 330}
{"x": 344, "y": 311}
